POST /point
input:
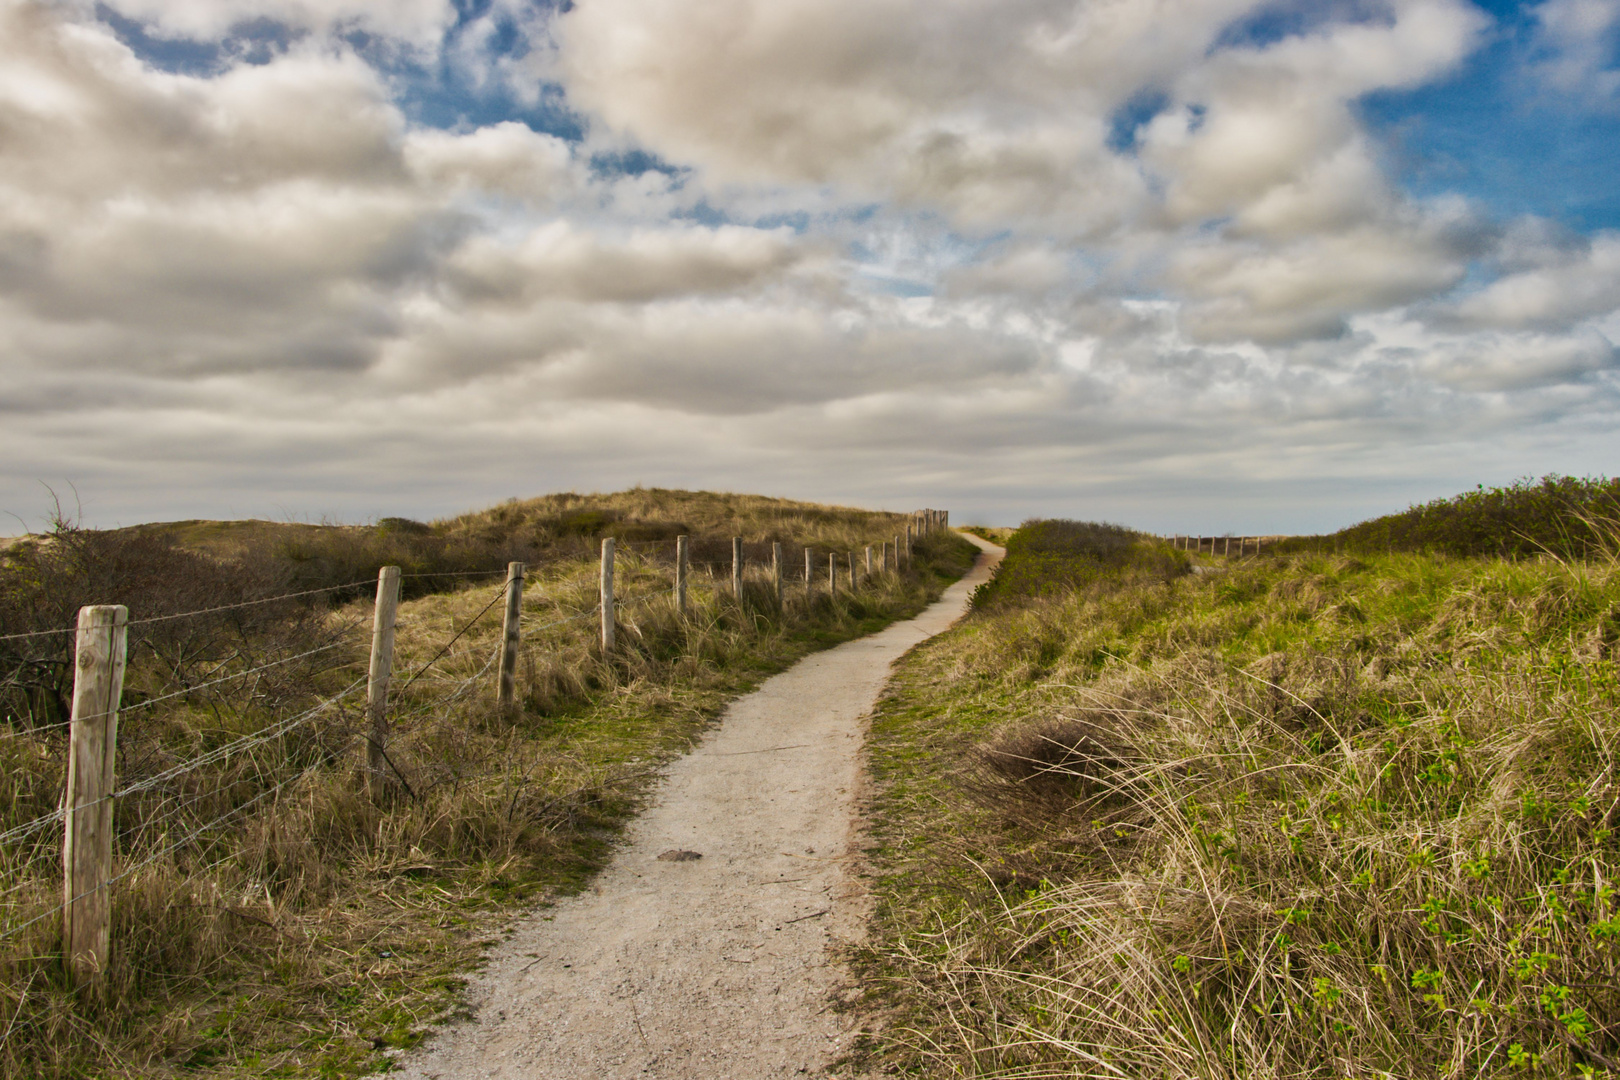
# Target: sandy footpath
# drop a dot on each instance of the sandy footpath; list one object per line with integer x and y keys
{"x": 718, "y": 966}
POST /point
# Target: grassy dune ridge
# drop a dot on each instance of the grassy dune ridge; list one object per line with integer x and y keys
{"x": 1562, "y": 516}
{"x": 312, "y": 929}
{"x": 1313, "y": 816}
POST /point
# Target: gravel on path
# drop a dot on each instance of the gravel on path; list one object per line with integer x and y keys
{"x": 706, "y": 948}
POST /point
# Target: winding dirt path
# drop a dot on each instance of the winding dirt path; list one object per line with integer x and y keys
{"x": 719, "y": 966}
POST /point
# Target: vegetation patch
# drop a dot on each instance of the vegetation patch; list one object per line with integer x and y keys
{"x": 272, "y": 917}
{"x": 1053, "y": 556}
{"x": 1563, "y": 516}
{"x": 1317, "y": 816}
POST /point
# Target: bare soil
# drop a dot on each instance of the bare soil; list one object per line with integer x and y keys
{"x": 708, "y": 947}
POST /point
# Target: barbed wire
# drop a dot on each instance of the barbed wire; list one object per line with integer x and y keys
{"x": 248, "y": 603}
{"x": 591, "y": 614}
{"x": 199, "y": 611}
{"x": 227, "y": 678}
{"x": 452, "y": 573}
{"x": 34, "y": 730}
{"x": 149, "y": 860}
{"x": 446, "y": 648}
{"x": 38, "y": 823}
{"x": 246, "y": 742}
{"x": 37, "y": 633}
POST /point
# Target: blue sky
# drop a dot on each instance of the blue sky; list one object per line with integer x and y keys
{"x": 1195, "y": 265}
{"x": 1489, "y": 132}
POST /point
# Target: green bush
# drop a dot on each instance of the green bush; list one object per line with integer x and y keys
{"x": 1571, "y": 517}
{"x": 1046, "y": 557}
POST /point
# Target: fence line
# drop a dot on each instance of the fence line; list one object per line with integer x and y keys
{"x": 87, "y": 873}
{"x": 1195, "y": 544}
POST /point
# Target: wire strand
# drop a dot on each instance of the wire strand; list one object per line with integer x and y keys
{"x": 421, "y": 670}
{"x": 246, "y": 742}
{"x": 247, "y": 603}
{"x": 227, "y": 678}
{"x": 149, "y": 860}
{"x": 37, "y": 633}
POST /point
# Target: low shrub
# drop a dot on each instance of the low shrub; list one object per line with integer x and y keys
{"x": 1050, "y": 556}
{"x": 1565, "y": 516}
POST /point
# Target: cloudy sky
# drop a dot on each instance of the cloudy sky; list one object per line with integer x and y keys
{"x": 1187, "y": 264}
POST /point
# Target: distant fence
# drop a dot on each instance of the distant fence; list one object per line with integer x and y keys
{"x": 87, "y": 808}
{"x": 1219, "y": 545}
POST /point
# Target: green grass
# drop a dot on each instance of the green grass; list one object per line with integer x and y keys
{"x": 318, "y": 929}
{"x": 1047, "y": 557}
{"x": 1311, "y": 817}
{"x": 1565, "y": 516}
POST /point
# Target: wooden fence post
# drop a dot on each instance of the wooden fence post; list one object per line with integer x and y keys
{"x": 777, "y": 571}
{"x": 851, "y": 555}
{"x": 869, "y": 560}
{"x": 832, "y": 573}
{"x": 382, "y": 666}
{"x": 809, "y": 572}
{"x": 682, "y": 553}
{"x": 1226, "y": 548}
{"x": 607, "y": 595}
{"x": 511, "y": 635}
{"x": 98, "y": 683}
{"x": 737, "y": 568}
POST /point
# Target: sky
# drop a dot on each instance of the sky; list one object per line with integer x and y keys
{"x": 1187, "y": 265}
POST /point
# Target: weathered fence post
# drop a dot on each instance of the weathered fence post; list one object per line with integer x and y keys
{"x": 98, "y": 683}
{"x": 851, "y": 555}
{"x": 809, "y": 572}
{"x": 736, "y": 568}
{"x": 682, "y": 550}
{"x": 607, "y": 595}
{"x": 382, "y": 666}
{"x": 777, "y": 571}
{"x": 868, "y": 560}
{"x": 511, "y": 634}
{"x": 1226, "y": 548}
{"x": 832, "y": 573}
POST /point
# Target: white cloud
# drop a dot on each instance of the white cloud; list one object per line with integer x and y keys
{"x": 420, "y": 22}
{"x": 905, "y": 248}
{"x": 1563, "y": 288}
{"x": 1521, "y": 361}
{"x": 1574, "y": 46}
{"x": 561, "y": 260}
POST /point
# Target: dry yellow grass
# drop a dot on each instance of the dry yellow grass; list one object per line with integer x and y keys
{"x": 290, "y": 926}
{"x": 1311, "y": 817}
